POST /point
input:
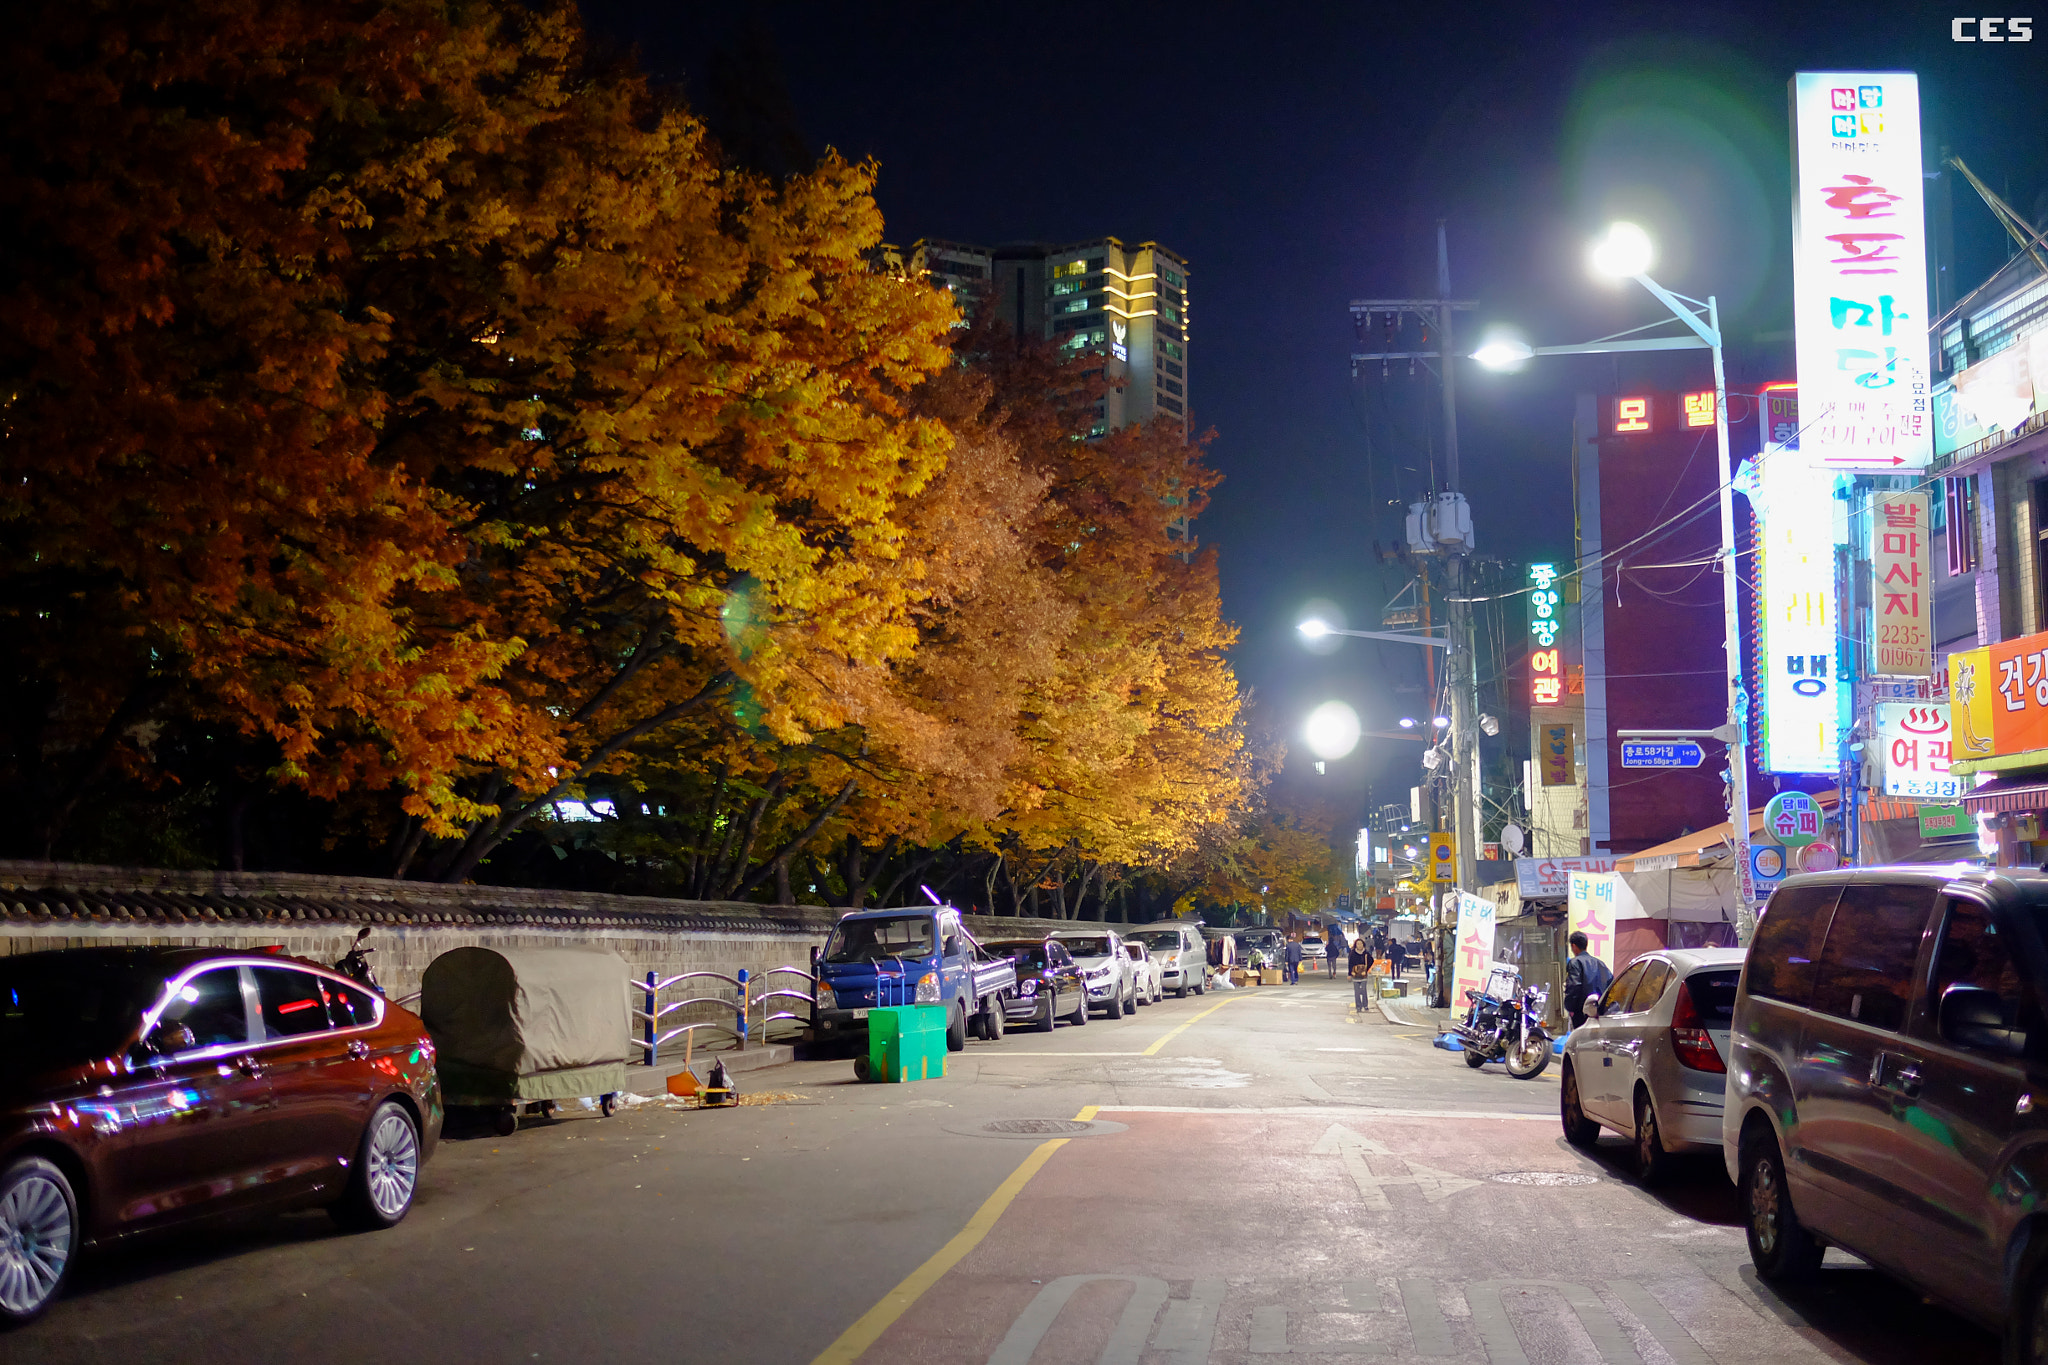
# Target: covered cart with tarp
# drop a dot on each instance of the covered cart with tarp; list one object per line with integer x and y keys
{"x": 522, "y": 1028}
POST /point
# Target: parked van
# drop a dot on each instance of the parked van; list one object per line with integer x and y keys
{"x": 1888, "y": 1086}
{"x": 1180, "y": 951}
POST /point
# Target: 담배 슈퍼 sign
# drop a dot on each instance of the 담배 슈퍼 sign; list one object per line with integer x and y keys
{"x": 1859, "y": 271}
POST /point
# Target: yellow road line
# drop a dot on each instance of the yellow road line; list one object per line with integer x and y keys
{"x": 856, "y": 1339}
{"x": 1190, "y": 1022}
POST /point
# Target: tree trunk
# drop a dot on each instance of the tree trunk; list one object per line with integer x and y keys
{"x": 767, "y": 801}
{"x": 778, "y": 866}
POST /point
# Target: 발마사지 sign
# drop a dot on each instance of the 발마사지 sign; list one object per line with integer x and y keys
{"x": 1913, "y": 744}
{"x": 1859, "y": 271}
{"x": 1901, "y": 595}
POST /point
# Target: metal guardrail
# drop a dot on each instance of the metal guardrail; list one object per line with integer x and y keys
{"x": 745, "y": 998}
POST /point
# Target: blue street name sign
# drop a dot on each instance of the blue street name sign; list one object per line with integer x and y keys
{"x": 1661, "y": 753}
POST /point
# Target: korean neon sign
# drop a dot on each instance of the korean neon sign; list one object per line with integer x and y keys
{"x": 1859, "y": 271}
{"x": 1631, "y": 416}
{"x": 1699, "y": 409}
{"x": 1546, "y": 667}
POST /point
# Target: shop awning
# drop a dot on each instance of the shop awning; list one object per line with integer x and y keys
{"x": 1686, "y": 850}
{"x": 1889, "y": 808}
{"x": 2006, "y": 794}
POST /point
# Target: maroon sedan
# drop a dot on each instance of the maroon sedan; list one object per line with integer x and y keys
{"x": 143, "y": 1088}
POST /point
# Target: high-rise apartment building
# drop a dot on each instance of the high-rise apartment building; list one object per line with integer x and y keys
{"x": 1128, "y": 305}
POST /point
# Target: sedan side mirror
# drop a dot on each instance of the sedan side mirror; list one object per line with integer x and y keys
{"x": 1973, "y": 1017}
{"x": 1591, "y": 1009}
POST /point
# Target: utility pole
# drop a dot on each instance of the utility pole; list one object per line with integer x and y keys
{"x": 1462, "y": 675}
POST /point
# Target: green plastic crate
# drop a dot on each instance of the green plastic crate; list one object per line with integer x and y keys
{"x": 907, "y": 1043}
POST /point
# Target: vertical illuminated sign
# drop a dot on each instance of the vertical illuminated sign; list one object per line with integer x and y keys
{"x": 1795, "y": 598}
{"x": 1631, "y": 416}
{"x": 1546, "y": 659}
{"x": 1859, "y": 270}
{"x": 1901, "y": 595}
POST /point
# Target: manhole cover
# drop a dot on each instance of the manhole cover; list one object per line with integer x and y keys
{"x": 1543, "y": 1178}
{"x": 1039, "y": 1127}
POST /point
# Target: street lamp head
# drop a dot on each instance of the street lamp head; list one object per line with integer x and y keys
{"x": 1623, "y": 253}
{"x": 1442, "y": 722}
{"x": 1332, "y": 730}
{"x": 1315, "y": 628}
{"x": 1407, "y": 722}
{"x": 1503, "y": 353}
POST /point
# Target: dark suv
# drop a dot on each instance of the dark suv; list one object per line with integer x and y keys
{"x": 143, "y": 1088}
{"x": 1888, "y": 1086}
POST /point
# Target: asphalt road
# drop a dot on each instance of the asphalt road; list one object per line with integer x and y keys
{"x": 1263, "y": 1175}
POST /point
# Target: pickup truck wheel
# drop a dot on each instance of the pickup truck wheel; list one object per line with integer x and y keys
{"x": 992, "y": 1019}
{"x": 1052, "y": 1010}
{"x": 956, "y": 1029}
{"x": 1116, "y": 1006}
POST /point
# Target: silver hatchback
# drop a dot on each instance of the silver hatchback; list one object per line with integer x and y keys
{"x": 1652, "y": 1063}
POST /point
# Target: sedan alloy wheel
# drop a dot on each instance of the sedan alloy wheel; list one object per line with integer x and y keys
{"x": 38, "y": 1232}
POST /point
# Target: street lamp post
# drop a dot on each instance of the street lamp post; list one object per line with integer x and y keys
{"x": 1625, "y": 253}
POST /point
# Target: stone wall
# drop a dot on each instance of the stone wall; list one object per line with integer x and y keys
{"x": 72, "y": 905}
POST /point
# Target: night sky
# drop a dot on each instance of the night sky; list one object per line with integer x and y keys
{"x": 1300, "y": 156}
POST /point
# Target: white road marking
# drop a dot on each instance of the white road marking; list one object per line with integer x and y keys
{"x": 1325, "y": 1111}
{"x": 1353, "y": 1149}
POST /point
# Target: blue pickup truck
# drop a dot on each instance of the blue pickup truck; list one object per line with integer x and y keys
{"x": 912, "y": 956}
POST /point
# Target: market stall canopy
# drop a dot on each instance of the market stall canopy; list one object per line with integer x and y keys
{"x": 1703, "y": 846}
{"x": 2006, "y": 794}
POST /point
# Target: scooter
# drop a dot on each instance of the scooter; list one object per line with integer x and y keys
{"x": 1507, "y": 1029}
{"x": 355, "y": 963}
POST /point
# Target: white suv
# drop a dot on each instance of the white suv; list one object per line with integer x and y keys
{"x": 1105, "y": 967}
{"x": 1180, "y": 951}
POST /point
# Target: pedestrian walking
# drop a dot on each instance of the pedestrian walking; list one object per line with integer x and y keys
{"x": 1293, "y": 972}
{"x": 1397, "y": 959}
{"x": 1333, "y": 948}
{"x": 1585, "y": 977}
{"x": 1428, "y": 967}
{"x": 1361, "y": 973}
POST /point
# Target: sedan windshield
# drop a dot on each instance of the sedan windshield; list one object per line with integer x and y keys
{"x": 1087, "y": 947}
{"x": 872, "y": 940}
{"x": 61, "y": 1012}
{"x": 1029, "y": 956}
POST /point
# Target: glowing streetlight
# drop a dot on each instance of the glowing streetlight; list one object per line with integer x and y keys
{"x": 1332, "y": 730}
{"x": 1315, "y": 628}
{"x": 1407, "y": 722}
{"x": 1624, "y": 253}
{"x": 1442, "y": 722}
{"x": 1503, "y": 354}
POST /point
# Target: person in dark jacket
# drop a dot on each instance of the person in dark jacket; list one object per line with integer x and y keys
{"x": 1293, "y": 961}
{"x": 1361, "y": 957}
{"x": 1397, "y": 958}
{"x": 1585, "y": 977}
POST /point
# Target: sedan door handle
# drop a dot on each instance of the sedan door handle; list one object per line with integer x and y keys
{"x": 250, "y": 1067}
{"x": 1909, "y": 1080}
{"x": 358, "y": 1049}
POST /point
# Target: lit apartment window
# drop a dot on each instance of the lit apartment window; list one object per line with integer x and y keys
{"x": 1172, "y": 277}
{"x": 1077, "y": 306}
{"x": 1066, "y": 287}
{"x": 1069, "y": 268}
{"x": 1173, "y": 349}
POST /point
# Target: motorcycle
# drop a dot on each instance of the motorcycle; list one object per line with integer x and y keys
{"x": 1505, "y": 1024}
{"x": 355, "y": 963}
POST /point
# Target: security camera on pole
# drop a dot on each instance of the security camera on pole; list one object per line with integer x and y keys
{"x": 1442, "y": 526}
